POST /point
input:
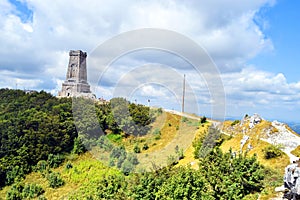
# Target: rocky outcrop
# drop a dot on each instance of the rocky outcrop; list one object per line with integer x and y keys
{"x": 254, "y": 119}
{"x": 284, "y": 137}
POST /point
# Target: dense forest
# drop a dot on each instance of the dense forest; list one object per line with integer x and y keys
{"x": 37, "y": 130}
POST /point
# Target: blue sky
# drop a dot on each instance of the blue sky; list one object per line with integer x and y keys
{"x": 283, "y": 28}
{"x": 254, "y": 44}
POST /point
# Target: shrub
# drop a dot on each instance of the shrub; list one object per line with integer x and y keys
{"x": 172, "y": 160}
{"x": 235, "y": 122}
{"x": 32, "y": 190}
{"x": 41, "y": 166}
{"x": 137, "y": 149}
{"x": 203, "y": 120}
{"x": 157, "y": 137}
{"x": 19, "y": 191}
{"x": 55, "y": 160}
{"x": 15, "y": 192}
{"x": 272, "y": 151}
{"x": 55, "y": 180}
{"x": 184, "y": 119}
{"x": 159, "y": 111}
{"x": 157, "y": 131}
{"x": 78, "y": 147}
{"x": 114, "y": 137}
{"x": 145, "y": 146}
{"x": 14, "y": 174}
{"x": 127, "y": 167}
{"x": 69, "y": 165}
{"x": 180, "y": 154}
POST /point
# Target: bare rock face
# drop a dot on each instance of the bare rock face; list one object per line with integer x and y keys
{"x": 76, "y": 84}
{"x": 254, "y": 119}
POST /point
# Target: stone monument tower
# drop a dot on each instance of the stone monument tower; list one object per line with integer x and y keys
{"x": 76, "y": 84}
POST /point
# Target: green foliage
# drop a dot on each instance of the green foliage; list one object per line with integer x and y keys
{"x": 32, "y": 191}
{"x": 104, "y": 143}
{"x": 32, "y": 126}
{"x": 145, "y": 147}
{"x": 115, "y": 137}
{"x": 15, "y": 192}
{"x": 131, "y": 118}
{"x": 232, "y": 177}
{"x": 78, "y": 147}
{"x": 136, "y": 149}
{"x": 235, "y": 122}
{"x": 172, "y": 160}
{"x": 203, "y": 120}
{"x": 69, "y": 165}
{"x": 111, "y": 187}
{"x": 55, "y": 180}
{"x": 42, "y": 166}
{"x": 21, "y": 191}
{"x": 157, "y": 134}
{"x": 272, "y": 151}
{"x": 123, "y": 160}
{"x": 204, "y": 144}
{"x": 159, "y": 111}
{"x": 185, "y": 183}
{"x": 157, "y": 131}
{"x": 55, "y": 160}
{"x": 184, "y": 119}
{"x": 15, "y": 173}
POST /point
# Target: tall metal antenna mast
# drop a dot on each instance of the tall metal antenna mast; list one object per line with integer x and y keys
{"x": 183, "y": 94}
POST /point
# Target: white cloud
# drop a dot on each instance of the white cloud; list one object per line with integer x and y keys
{"x": 35, "y": 53}
{"x": 260, "y": 87}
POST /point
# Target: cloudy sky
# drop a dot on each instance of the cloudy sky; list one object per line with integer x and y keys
{"x": 253, "y": 44}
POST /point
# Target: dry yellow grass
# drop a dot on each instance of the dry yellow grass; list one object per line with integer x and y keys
{"x": 296, "y": 151}
{"x": 173, "y": 133}
{"x": 189, "y": 153}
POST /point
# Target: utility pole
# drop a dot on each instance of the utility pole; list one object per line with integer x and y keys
{"x": 183, "y": 94}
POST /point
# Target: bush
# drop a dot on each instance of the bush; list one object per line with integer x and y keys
{"x": 32, "y": 191}
{"x": 15, "y": 192}
{"x": 78, "y": 147}
{"x": 69, "y": 165}
{"x": 14, "y": 174}
{"x": 184, "y": 119}
{"x": 235, "y": 122}
{"x": 272, "y": 151}
{"x": 203, "y": 120}
{"x": 41, "y": 166}
{"x": 127, "y": 167}
{"x": 19, "y": 191}
{"x": 172, "y": 160}
{"x": 157, "y": 137}
{"x": 159, "y": 111}
{"x": 55, "y": 180}
{"x": 145, "y": 146}
{"x": 137, "y": 149}
{"x": 114, "y": 137}
{"x": 157, "y": 131}
{"x": 55, "y": 160}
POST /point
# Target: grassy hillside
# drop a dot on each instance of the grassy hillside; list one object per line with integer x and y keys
{"x": 277, "y": 165}
{"x": 167, "y": 132}
{"x": 144, "y": 153}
